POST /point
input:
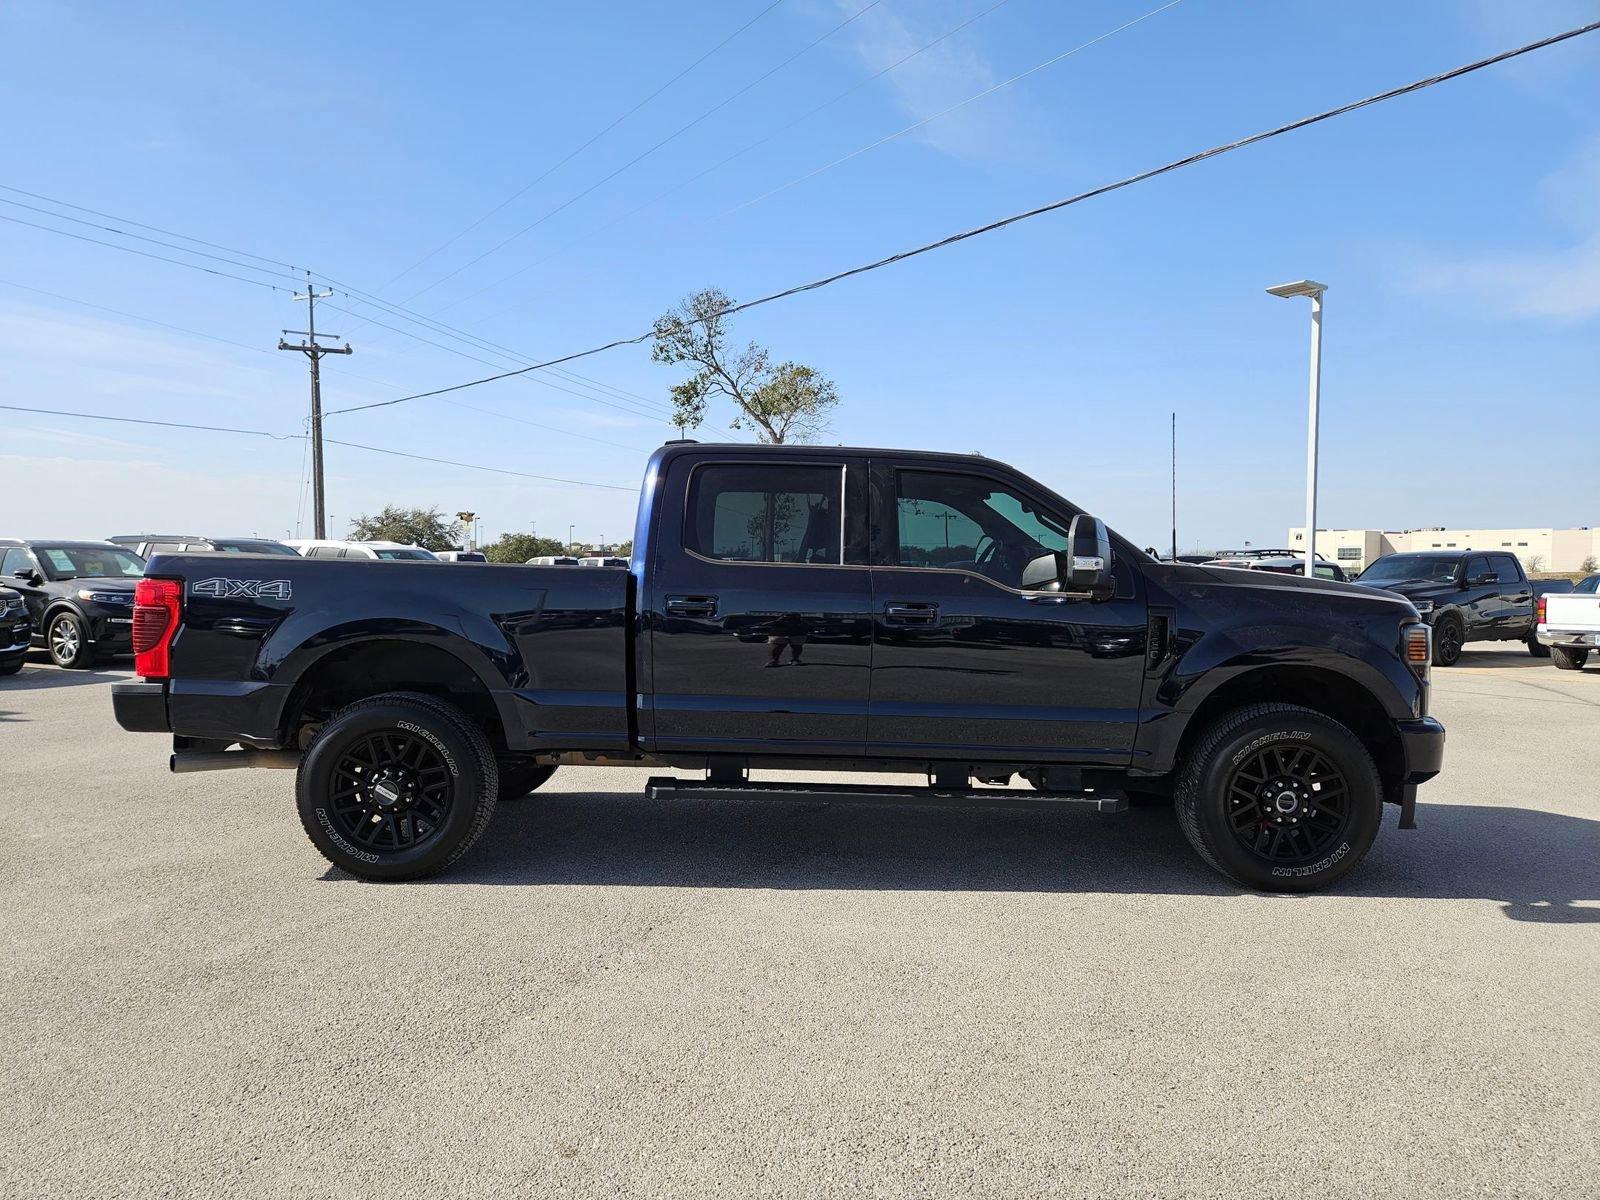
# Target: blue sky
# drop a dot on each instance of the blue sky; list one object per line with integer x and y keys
{"x": 1459, "y": 231}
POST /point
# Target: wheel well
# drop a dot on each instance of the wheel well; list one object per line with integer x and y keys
{"x": 387, "y": 665}
{"x": 1326, "y": 692}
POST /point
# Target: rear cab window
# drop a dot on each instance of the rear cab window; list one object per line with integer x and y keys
{"x": 766, "y": 513}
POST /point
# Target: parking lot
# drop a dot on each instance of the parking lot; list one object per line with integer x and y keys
{"x": 613, "y": 996}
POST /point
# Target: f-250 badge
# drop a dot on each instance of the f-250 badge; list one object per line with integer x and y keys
{"x": 252, "y": 589}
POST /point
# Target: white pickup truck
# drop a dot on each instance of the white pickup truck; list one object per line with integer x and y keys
{"x": 1569, "y": 623}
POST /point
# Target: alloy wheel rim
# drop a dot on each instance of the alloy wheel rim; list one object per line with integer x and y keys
{"x": 64, "y": 640}
{"x": 391, "y": 792}
{"x": 1288, "y": 804}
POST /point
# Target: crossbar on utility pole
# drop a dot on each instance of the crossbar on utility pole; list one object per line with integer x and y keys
{"x": 314, "y": 351}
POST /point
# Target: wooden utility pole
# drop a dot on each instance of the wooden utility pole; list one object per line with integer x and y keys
{"x": 314, "y": 351}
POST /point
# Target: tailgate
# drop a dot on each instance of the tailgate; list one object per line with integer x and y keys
{"x": 1572, "y": 612}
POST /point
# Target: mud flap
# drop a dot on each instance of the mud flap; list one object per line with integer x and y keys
{"x": 1408, "y": 805}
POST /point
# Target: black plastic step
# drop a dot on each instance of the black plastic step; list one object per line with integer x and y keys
{"x": 670, "y": 788}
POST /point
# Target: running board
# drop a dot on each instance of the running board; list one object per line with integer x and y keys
{"x": 668, "y": 788}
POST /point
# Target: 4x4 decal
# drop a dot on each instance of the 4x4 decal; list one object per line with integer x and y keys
{"x": 253, "y": 589}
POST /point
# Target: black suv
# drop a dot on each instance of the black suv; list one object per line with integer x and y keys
{"x": 148, "y": 545}
{"x": 16, "y": 631}
{"x": 79, "y": 596}
{"x": 1466, "y": 595}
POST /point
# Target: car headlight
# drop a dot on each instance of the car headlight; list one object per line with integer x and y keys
{"x": 1423, "y": 606}
{"x": 103, "y": 597}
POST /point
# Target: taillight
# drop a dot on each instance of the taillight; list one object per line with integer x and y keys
{"x": 157, "y": 611}
{"x": 1541, "y": 610}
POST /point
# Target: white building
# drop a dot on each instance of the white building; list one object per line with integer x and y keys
{"x": 1552, "y": 550}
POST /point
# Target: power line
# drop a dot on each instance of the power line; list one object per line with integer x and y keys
{"x": 210, "y": 337}
{"x": 740, "y": 153}
{"x": 1015, "y": 218}
{"x": 517, "y": 195}
{"x": 145, "y": 253}
{"x": 291, "y": 437}
{"x": 989, "y": 91}
{"x": 682, "y": 129}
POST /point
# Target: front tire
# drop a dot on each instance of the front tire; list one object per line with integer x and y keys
{"x": 1279, "y": 798}
{"x": 1568, "y": 660}
{"x": 68, "y": 640}
{"x": 397, "y": 786}
{"x": 1449, "y": 636}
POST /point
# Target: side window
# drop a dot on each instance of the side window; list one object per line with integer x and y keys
{"x": 969, "y": 522}
{"x": 16, "y": 559}
{"x": 1478, "y": 566}
{"x": 1506, "y": 568}
{"x": 326, "y": 552}
{"x": 766, "y": 513}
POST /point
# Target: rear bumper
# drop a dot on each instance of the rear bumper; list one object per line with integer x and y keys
{"x": 1570, "y": 639}
{"x": 141, "y": 707}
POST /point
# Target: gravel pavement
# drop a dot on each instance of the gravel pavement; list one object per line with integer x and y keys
{"x": 613, "y": 997}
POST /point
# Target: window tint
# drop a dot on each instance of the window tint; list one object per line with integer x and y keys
{"x": 973, "y": 523}
{"x": 16, "y": 559}
{"x": 1591, "y": 584}
{"x": 1478, "y": 566}
{"x": 1506, "y": 568}
{"x": 325, "y": 552}
{"x": 773, "y": 513}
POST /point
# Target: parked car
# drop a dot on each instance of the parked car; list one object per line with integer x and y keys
{"x": 16, "y": 631}
{"x": 147, "y": 545}
{"x": 552, "y": 560}
{"x": 79, "y": 596}
{"x": 602, "y": 560}
{"x": 460, "y": 556}
{"x": 1279, "y": 715}
{"x": 1278, "y": 564}
{"x": 1465, "y": 595}
{"x": 383, "y": 551}
{"x": 1568, "y": 623}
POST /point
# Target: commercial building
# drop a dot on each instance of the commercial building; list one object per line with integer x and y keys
{"x": 1559, "y": 550}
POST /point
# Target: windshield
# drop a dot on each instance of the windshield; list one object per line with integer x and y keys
{"x": 1424, "y": 568}
{"x": 254, "y": 548}
{"x": 398, "y": 555}
{"x": 89, "y": 562}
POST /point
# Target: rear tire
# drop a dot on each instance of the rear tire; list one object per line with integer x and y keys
{"x": 68, "y": 640}
{"x": 1449, "y": 636}
{"x": 1537, "y": 648}
{"x": 1279, "y": 798}
{"x": 518, "y": 779}
{"x": 1568, "y": 660}
{"x": 397, "y": 786}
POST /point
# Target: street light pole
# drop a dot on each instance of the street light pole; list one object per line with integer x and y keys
{"x": 1309, "y": 287}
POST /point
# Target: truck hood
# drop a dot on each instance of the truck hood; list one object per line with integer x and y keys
{"x": 1414, "y": 589}
{"x": 1272, "y": 582}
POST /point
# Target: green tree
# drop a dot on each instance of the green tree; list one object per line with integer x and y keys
{"x": 520, "y": 547}
{"x": 787, "y": 403}
{"x": 425, "y": 527}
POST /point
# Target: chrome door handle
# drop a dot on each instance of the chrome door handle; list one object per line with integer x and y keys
{"x": 691, "y": 606}
{"x": 911, "y": 612}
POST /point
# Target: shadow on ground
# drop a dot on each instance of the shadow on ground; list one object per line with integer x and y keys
{"x": 40, "y": 672}
{"x": 1540, "y": 866}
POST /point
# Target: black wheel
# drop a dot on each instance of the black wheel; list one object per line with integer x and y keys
{"x": 1537, "y": 648}
{"x": 69, "y": 642}
{"x": 1568, "y": 660}
{"x": 517, "y": 779}
{"x": 1279, "y": 797}
{"x": 1449, "y": 635}
{"x": 397, "y": 786}
{"x": 11, "y": 668}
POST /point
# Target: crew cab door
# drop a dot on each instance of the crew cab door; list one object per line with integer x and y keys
{"x": 969, "y": 663}
{"x": 1516, "y": 596}
{"x": 758, "y": 608}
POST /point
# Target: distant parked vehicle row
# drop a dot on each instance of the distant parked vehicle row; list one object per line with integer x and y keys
{"x": 1280, "y": 562}
{"x": 78, "y": 596}
{"x": 146, "y": 545}
{"x": 383, "y": 551}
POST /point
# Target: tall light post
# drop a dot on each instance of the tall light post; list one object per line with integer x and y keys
{"x": 1309, "y": 287}
{"x": 570, "y": 528}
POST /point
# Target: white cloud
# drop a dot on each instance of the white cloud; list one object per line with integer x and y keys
{"x": 1559, "y": 281}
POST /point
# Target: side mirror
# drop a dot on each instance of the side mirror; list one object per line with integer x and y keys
{"x": 25, "y": 574}
{"x": 1086, "y": 568}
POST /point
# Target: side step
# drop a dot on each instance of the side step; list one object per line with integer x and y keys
{"x": 669, "y": 788}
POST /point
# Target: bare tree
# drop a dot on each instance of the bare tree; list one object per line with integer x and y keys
{"x": 786, "y": 403}
{"x": 1535, "y": 563}
{"x": 1589, "y": 566}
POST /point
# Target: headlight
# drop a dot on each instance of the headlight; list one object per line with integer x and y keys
{"x": 1423, "y": 606}
{"x": 104, "y": 597}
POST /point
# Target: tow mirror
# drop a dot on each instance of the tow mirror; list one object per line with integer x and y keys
{"x": 1086, "y": 566}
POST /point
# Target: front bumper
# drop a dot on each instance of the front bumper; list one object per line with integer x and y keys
{"x": 141, "y": 707}
{"x": 1422, "y": 757}
{"x": 15, "y": 639}
{"x": 112, "y": 632}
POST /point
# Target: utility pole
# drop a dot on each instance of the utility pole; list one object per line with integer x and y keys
{"x": 314, "y": 351}
{"x": 1174, "y": 487}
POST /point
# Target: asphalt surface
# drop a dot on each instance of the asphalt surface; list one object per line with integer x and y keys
{"x": 614, "y": 997}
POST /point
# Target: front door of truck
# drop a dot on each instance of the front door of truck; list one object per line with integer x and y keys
{"x": 974, "y": 656}
{"x": 758, "y": 610}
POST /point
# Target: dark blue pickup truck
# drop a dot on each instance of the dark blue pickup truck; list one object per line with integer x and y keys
{"x": 804, "y": 608}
